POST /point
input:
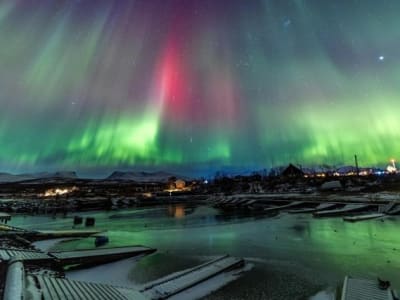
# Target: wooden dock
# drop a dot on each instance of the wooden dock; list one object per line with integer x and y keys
{"x": 320, "y": 207}
{"x": 387, "y": 207}
{"x": 178, "y": 282}
{"x": 281, "y": 207}
{"x": 363, "y": 217}
{"x": 57, "y": 234}
{"x": 349, "y": 208}
{"x": 99, "y": 255}
{"x": 39, "y": 235}
{"x": 4, "y": 217}
{"x": 365, "y": 289}
{"x": 20, "y": 285}
{"x": 77, "y": 257}
{"x": 394, "y": 211}
{"x": 6, "y": 254}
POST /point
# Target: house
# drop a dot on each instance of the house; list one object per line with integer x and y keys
{"x": 292, "y": 172}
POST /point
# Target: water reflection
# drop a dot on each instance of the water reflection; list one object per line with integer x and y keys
{"x": 179, "y": 211}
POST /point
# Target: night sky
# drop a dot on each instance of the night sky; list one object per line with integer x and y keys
{"x": 197, "y": 84}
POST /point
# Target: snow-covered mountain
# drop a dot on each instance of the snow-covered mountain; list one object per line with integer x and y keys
{"x": 143, "y": 176}
{"x": 46, "y": 177}
{"x": 7, "y": 177}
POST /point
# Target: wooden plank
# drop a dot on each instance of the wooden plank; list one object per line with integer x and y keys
{"x": 98, "y": 252}
{"x": 43, "y": 287}
{"x": 337, "y": 212}
{"x": 292, "y": 204}
{"x": 108, "y": 291}
{"x": 77, "y": 287}
{"x": 98, "y": 256}
{"x": 394, "y": 211}
{"x": 69, "y": 290}
{"x": 387, "y": 208}
{"x": 176, "y": 283}
{"x": 26, "y": 255}
{"x": 363, "y": 217}
{"x": 64, "y": 289}
{"x": 173, "y": 276}
{"x": 60, "y": 291}
{"x": 320, "y": 207}
{"x": 364, "y": 289}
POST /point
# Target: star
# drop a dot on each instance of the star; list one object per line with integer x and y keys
{"x": 381, "y": 58}
{"x": 287, "y": 22}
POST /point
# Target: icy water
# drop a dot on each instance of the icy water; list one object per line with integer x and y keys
{"x": 294, "y": 256}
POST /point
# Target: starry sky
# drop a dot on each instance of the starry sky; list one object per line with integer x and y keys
{"x": 197, "y": 84}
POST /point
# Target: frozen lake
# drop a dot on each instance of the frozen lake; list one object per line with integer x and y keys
{"x": 294, "y": 256}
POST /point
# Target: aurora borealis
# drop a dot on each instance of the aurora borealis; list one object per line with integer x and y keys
{"x": 105, "y": 84}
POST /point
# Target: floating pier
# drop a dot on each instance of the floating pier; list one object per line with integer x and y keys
{"x": 387, "y": 208}
{"x": 77, "y": 257}
{"x": 363, "y": 217}
{"x": 178, "y": 282}
{"x": 365, "y": 289}
{"x": 57, "y": 234}
{"x": 99, "y": 255}
{"x": 39, "y": 257}
{"x": 393, "y": 209}
{"x": 277, "y": 208}
{"x": 39, "y": 235}
{"x": 4, "y": 217}
{"x": 320, "y": 207}
{"x": 20, "y": 285}
{"x": 349, "y": 208}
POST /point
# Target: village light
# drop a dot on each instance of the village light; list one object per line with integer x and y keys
{"x": 392, "y": 168}
{"x": 59, "y": 191}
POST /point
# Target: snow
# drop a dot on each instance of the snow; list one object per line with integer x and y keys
{"x": 143, "y": 176}
{"x": 46, "y": 245}
{"x": 324, "y": 295}
{"x": 331, "y": 185}
{"x": 14, "y": 286}
{"x": 6, "y": 177}
{"x": 115, "y": 273}
{"x": 211, "y": 285}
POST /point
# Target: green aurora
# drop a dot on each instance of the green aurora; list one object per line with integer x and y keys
{"x": 94, "y": 85}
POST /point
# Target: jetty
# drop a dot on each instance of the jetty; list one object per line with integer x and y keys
{"x": 99, "y": 255}
{"x": 21, "y": 284}
{"x": 4, "y": 217}
{"x": 395, "y": 211}
{"x": 78, "y": 257}
{"x": 363, "y": 217}
{"x": 39, "y": 235}
{"x": 387, "y": 207}
{"x": 349, "y": 208}
{"x": 178, "y": 282}
{"x": 281, "y": 207}
{"x": 366, "y": 289}
{"x": 320, "y": 207}
{"x": 392, "y": 209}
{"x": 57, "y": 234}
